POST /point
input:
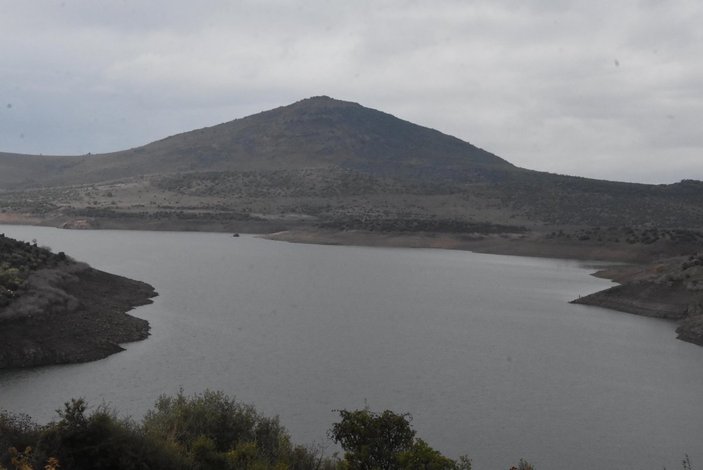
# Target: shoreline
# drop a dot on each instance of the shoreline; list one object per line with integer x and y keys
{"x": 85, "y": 320}
{"x": 536, "y": 242}
{"x": 636, "y": 268}
{"x": 668, "y": 289}
{"x": 531, "y": 244}
{"x": 647, "y": 285}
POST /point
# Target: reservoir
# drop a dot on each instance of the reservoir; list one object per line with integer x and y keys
{"x": 484, "y": 351}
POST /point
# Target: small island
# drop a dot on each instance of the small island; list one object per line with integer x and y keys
{"x": 55, "y": 310}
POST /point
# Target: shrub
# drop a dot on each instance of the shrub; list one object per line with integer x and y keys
{"x": 101, "y": 440}
{"x": 214, "y": 431}
{"x": 16, "y": 431}
{"x": 386, "y": 441}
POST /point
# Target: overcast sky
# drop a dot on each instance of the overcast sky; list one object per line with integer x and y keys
{"x": 606, "y": 89}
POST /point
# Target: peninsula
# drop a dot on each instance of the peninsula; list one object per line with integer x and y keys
{"x": 54, "y": 310}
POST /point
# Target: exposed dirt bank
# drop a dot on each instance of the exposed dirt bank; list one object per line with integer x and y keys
{"x": 528, "y": 244}
{"x": 621, "y": 245}
{"x": 70, "y": 314}
{"x": 670, "y": 289}
{"x": 165, "y": 223}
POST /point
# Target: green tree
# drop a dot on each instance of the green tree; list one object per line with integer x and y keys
{"x": 99, "y": 440}
{"x": 373, "y": 441}
{"x": 423, "y": 457}
{"x": 386, "y": 441}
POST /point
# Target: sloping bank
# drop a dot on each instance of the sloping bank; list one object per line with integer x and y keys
{"x": 671, "y": 289}
{"x": 54, "y": 310}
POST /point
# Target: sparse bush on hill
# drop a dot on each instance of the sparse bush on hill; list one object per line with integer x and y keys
{"x": 17, "y": 261}
{"x": 631, "y": 235}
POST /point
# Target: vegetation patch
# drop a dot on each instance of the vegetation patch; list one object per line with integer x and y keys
{"x": 211, "y": 431}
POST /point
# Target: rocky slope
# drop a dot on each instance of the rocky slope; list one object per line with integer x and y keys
{"x": 671, "y": 289}
{"x": 54, "y": 310}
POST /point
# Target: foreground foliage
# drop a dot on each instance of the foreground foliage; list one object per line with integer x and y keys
{"x": 204, "y": 431}
{"x": 212, "y": 431}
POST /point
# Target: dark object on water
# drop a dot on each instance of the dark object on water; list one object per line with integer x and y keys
{"x": 236, "y": 235}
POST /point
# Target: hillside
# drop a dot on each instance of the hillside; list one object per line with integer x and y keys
{"x": 314, "y": 133}
{"x": 326, "y": 164}
{"x": 54, "y": 310}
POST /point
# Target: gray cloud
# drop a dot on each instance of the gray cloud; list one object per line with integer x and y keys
{"x": 601, "y": 89}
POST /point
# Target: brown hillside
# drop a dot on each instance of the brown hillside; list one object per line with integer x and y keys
{"x": 327, "y": 163}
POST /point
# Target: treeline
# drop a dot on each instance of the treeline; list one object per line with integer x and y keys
{"x": 626, "y": 234}
{"x": 210, "y": 431}
{"x": 204, "y": 214}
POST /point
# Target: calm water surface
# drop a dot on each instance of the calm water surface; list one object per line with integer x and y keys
{"x": 484, "y": 351}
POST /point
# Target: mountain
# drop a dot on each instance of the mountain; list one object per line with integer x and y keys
{"x": 331, "y": 164}
{"x": 318, "y": 132}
